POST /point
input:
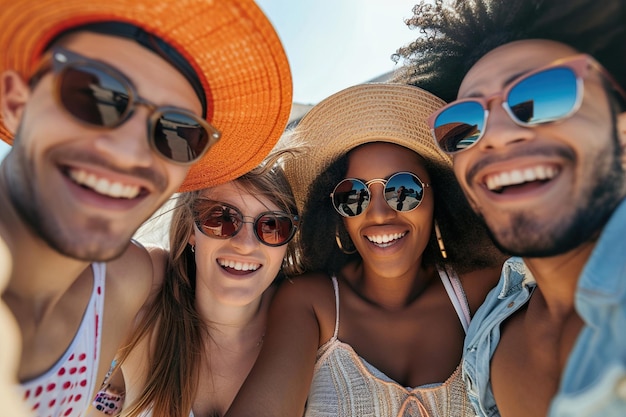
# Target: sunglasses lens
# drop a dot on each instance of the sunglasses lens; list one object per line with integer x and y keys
{"x": 350, "y": 197}
{"x": 93, "y": 96}
{"x": 221, "y": 222}
{"x": 459, "y": 126}
{"x": 274, "y": 229}
{"x": 179, "y": 136}
{"x": 404, "y": 191}
{"x": 544, "y": 97}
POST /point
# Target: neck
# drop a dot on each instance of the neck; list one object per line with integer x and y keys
{"x": 40, "y": 275}
{"x": 235, "y": 324}
{"x": 557, "y": 277}
{"x": 391, "y": 293}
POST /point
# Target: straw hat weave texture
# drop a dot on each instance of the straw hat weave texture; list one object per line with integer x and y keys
{"x": 375, "y": 112}
{"x": 230, "y": 44}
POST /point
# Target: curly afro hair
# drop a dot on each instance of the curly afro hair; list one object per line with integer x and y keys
{"x": 455, "y": 34}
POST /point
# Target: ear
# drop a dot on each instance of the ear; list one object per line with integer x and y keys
{"x": 192, "y": 239}
{"x": 14, "y": 93}
{"x": 621, "y": 135}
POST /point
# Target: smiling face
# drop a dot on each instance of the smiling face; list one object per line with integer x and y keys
{"x": 546, "y": 189}
{"x": 390, "y": 242}
{"x": 85, "y": 190}
{"x": 236, "y": 271}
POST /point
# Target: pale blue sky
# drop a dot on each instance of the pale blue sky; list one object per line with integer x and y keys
{"x": 333, "y": 44}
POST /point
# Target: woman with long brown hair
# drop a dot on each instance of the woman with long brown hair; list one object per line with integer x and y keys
{"x": 194, "y": 346}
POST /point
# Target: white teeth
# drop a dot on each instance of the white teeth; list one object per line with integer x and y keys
{"x": 384, "y": 239}
{"x": 239, "y": 266}
{"x": 541, "y": 173}
{"x": 520, "y": 176}
{"x": 103, "y": 186}
{"x": 517, "y": 177}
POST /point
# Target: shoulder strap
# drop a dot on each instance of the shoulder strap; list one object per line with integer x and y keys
{"x": 454, "y": 288}
{"x": 336, "y": 288}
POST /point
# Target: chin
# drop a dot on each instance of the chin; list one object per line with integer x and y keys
{"x": 102, "y": 250}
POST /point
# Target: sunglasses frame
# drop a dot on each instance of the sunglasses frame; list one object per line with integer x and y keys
{"x": 580, "y": 65}
{"x": 383, "y": 182}
{"x": 60, "y": 60}
{"x": 295, "y": 222}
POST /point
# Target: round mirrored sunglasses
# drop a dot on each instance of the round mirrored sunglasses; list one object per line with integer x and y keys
{"x": 403, "y": 191}
{"x": 223, "y": 221}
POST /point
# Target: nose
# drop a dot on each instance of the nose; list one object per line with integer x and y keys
{"x": 127, "y": 144}
{"x": 500, "y": 129}
{"x": 378, "y": 209}
{"x": 245, "y": 240}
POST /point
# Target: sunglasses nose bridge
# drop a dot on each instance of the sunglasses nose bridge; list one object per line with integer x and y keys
{"x": 377, "y": 192}
{"x": 245, "y": 238}
{"x": 501, "y": 129}
{"x": 129, "y": 145}
{"x": 379, "y": 208}
{"x": 140, "y": 101}
{"x": 248, "y": 220}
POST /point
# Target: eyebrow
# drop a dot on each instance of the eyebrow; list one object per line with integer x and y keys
{"x": 507, "y": 81}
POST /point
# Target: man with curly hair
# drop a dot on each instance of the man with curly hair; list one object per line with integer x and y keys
{"x": 537, "y": 131}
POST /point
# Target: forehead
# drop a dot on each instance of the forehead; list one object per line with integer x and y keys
{"x": 381, "y": 159}
{"x": 146, "y": 69}
{"x": 235, "y": 193}
{"x": 498, "y": 67}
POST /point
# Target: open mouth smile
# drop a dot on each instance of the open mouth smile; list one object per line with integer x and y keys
{"x": 386, "y": 240}
{"x": 103, "y": 186}
{"x": 230, "y": 264}
{"x": 498, "y": 182}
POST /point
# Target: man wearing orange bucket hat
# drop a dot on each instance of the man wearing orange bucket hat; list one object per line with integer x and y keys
{"x": 111, "y": 106}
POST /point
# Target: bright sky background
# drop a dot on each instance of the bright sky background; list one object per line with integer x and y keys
{"x": 334, "y": 44}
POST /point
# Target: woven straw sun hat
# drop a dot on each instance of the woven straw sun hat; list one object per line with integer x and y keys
{"x": 375, "y": 112}
{"x": 230, "y": 44}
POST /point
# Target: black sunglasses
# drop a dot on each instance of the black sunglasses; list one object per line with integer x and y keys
{"x": 223, "y": 221}
{"x": 99, "y": 95}
{"x": 403, "y": 191}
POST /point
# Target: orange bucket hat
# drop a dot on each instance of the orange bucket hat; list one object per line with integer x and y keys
{"x": 230, "y": 44}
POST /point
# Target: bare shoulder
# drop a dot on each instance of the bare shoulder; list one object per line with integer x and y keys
{"x": 477, "y": 285}
{"x": 310, "y": 289}
{"x": 130, "y": 276}
{"x": 311, "y": 295}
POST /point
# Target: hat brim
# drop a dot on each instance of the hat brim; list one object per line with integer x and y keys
{"x": 375, "y": 112}
{"x": 231, "y": 45}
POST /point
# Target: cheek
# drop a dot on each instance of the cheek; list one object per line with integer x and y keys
{"x": 423, "y": 216}
{"x": 204, "y": 256}
{"x": 176, "y": 175}
{"x": 275, "y": 257}
{"x": 460, "y": 169}
{"x": 43, "y": 107}
{"x": 45, "y": 124}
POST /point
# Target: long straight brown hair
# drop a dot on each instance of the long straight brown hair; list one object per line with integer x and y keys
{"x": 176, "y": 330}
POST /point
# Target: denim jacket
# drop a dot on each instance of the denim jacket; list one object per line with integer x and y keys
{"x": 593, "y": 382}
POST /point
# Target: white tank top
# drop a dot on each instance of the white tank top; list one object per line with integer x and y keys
{"x": 345, "y": 385}
{"x": 65, "y": 389}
